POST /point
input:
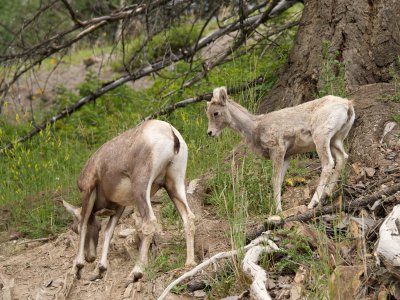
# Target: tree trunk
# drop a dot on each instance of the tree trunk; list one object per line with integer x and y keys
{"x": 363, "y": 36}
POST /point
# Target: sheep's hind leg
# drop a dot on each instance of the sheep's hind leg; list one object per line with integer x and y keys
{"x": 176, "y": 191}
{"x": 147, "y": 231}
{"x": 340, "y": 161}
{"x": 327, "y": 163}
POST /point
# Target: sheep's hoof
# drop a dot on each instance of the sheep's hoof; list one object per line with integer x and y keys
{"x": 94, "y": 277}
{"x": 76, "y": 270}
{"x": 190, "y": 264}
{"x": 134, "y": 276}
{"x": 98, "y": 273}
{"x": 79, "y": 265}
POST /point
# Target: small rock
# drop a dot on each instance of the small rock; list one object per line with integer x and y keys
{"x": 13, "y": 237}
{"x": 391, "y": 156}
{"x": 388, "y": 128}
{"x": 192, "y": 186}
{"x": 126, "y": 232}
{"x": 270, "y": 284}
{"x": 370, "y": 172}
{"x": 56, "y": 283}
{"x": 196, "y": 285}
{"x": 199, "y": 294}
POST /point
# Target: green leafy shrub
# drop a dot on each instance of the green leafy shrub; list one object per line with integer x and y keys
{"x": 174, "y": 40}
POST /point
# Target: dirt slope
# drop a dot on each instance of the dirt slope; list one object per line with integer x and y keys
{"x": 31, "y": 270}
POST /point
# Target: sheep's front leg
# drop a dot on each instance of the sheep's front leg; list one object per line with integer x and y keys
{"x": 279, "y": 167}
{"x": 103, "y": 264}
{"x": 88, "y": 199}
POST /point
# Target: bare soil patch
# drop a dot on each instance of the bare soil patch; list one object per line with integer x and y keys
{"x": 39, "y": 270}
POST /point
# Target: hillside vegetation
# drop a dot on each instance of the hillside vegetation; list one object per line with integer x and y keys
{"x": 235, "y": 191}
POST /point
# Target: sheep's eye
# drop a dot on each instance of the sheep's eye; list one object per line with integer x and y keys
{"x": 216, "y": 113}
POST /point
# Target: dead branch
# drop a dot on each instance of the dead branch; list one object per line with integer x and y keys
{"x": 71, "y": 12}
{"x": 226, "y": 56}
{"x": 40, "y": 240}
{"x": 205, "y": 97}
{"x": 85, "y": 27}
{"x": 388, "y": 249}
{"x": 251, "y": 23}
{"x": 263, "y": 238}
{"x": 252, "y": 269}
{"x": 114, "y": 84}
{"x": 319, "y": 211}
{"x": 51, "y": 46}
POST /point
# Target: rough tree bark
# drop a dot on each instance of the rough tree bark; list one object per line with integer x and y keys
{"x": 364, "y": 35}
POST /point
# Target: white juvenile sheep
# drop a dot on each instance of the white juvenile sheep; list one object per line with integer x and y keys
{"x": 320, "y": 124}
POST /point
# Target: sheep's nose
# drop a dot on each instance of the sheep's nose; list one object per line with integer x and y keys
{"x": 209, "y": 133}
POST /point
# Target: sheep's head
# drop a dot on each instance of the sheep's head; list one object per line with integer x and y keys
{"x": 217, "y": 112}
{"x": 93, "y": 229}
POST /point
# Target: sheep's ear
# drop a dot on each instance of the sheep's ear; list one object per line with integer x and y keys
{"x": 74, "y": 211}
{"x": 220, "y": 95}
{"x": 223, "y": 95}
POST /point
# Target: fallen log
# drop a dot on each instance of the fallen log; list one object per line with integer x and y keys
{"x": 388, "y": 249}
{"x": 252, "y": 269}
{"x": 319, "y": 211}
{"x": 263, "y": 238}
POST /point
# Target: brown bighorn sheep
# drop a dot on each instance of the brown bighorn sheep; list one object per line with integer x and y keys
{"x": 321, "y": 124}
{"x": 128, "y": 170}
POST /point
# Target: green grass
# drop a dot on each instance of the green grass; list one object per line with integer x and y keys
{"x": 396, "y": 118}
{"x": 168, "y": 258}
{"x": 38, "y": 174}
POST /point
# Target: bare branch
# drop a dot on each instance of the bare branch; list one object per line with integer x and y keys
{"x": 229, "y": 254}
{"x": 50, "y": 47}
{"x": 72, "y": 13}
{"x": 347, "y": 207}
{"x": 114, "y": 84}
{"x": 249, "y": 22}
